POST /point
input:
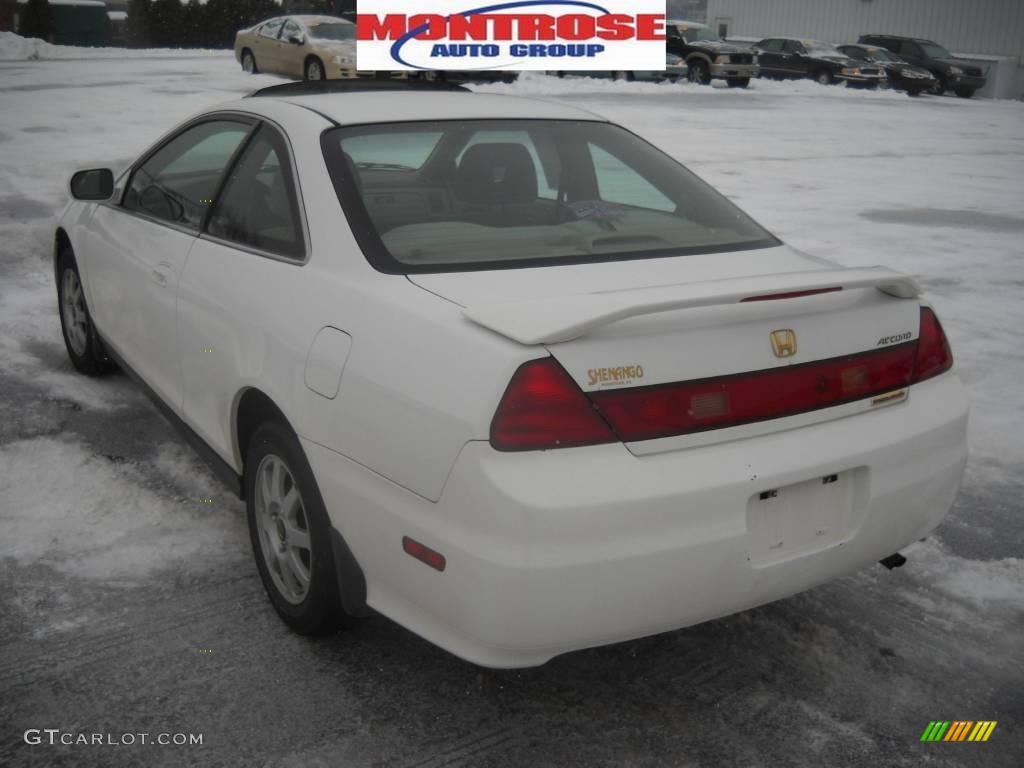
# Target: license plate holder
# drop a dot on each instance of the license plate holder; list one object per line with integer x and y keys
{"x": 797, "y": 519}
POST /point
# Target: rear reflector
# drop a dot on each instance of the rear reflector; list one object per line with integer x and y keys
{"x": 423, "y": 553}
{"x": 694, "y": 406}
{"x": 933, "y": 353}
{"x": 544, "y": 408}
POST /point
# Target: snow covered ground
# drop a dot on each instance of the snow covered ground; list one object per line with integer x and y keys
{"x": 130, "y": 602}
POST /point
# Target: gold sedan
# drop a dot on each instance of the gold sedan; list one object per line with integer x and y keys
{"x": 310, "y": 47}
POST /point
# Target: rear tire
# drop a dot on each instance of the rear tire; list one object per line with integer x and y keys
{"x": 824, "y": 77}
{"x": 737, "y": 82}
{"x": 249, "y": 62}
{"x": 965, "y": 93}
{"x": 291, "y": 533}
{"x": 80, "y": 338}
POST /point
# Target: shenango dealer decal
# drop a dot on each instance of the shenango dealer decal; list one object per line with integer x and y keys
{"x": 518, "y": 35}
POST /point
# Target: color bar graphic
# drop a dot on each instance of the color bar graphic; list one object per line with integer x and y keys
{"x": 958, "y": 730}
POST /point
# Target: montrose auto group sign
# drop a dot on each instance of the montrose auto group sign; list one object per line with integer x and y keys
{"x": 516, "y": 35}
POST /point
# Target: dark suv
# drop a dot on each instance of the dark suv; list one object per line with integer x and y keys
{"x": 950, "y": 73}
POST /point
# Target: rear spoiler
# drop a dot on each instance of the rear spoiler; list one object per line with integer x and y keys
{"x": 550, "y": 321}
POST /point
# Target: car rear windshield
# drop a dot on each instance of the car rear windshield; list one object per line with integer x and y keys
{"x": 447, "y": 196}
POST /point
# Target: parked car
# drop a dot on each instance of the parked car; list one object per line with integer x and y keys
{"x": 708, "y": 57}
{"x": 902, "y": 76}
{"x": 950, "y": 73}
{"x": 309, "y": 47}
{"x": 504, "y": 372}
{"x": 675, "y": 70}
{"x": 784, "y": 57}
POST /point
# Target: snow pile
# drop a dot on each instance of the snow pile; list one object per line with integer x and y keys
{"x": 17, "y": 48}
{"x": 92, "y": 516}
{"x": 545, "y": 85}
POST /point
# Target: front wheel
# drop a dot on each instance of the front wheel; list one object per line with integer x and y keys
{"x": 940, "y": 86}
{"x": 824, "y": 77}
{"x": 699, "y": 73}
{"x": 291, "y": 533}
{"x": 737, "y": 82}
{"x": 80, "y": 337}
{"x": 965, "y": 93}
{"x": 314, "y": 69}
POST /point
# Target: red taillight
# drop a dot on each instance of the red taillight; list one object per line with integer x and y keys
{"x": 544, "y": 408}
{"x": 694, "y": 406}
{"x": 933, "y": 353}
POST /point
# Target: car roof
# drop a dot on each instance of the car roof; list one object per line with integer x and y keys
{"x": 684, "y": 23}
{"x": 312, "y": 18}
{"x": 366, "y": 107}
{"x": 902, "y": 37}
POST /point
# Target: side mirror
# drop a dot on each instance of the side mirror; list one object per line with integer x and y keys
{"x": 93, "y": 184}
{"x": 296, "y": 40}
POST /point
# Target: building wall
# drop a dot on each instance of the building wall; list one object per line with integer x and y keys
{"x": 968, "y": 26}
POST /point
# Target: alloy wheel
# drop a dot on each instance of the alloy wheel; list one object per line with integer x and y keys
{"x": 283, "y": 528}
{"x": 72, "y": 307}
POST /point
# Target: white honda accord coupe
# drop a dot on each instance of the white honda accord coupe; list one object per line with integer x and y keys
{"x": 504, "y": 372}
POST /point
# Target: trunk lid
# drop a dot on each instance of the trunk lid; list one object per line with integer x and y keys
{"x": 644, "y": 323}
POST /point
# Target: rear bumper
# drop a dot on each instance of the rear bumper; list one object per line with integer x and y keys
{"x": 552, "y": 552}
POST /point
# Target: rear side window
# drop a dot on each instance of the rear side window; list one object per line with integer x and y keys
{"x": 794, "y": 46}
{"x": 494, "y": 194}
{"x": 176, "y": 183}
{"x": 259, "y": 206}
{"x": 773, "y": 46}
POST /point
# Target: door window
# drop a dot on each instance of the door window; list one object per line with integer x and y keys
{"x": 177, "y": 183}
{"x": 271, "y": 28}
{"x": 291, "y": 29}
{"x": 910, "y": 49}
{"x": 771, "y": 46}
{"x": 794, "y": 46}
{"x": 259, "y": 206}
